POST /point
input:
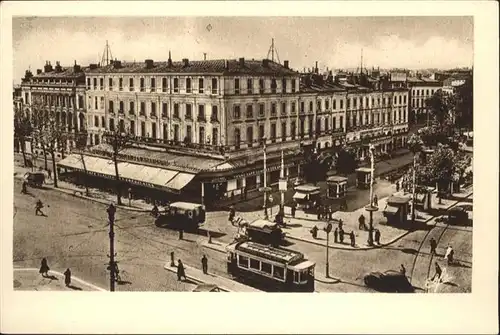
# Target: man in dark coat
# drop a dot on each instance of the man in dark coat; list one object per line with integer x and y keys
{"x": 204, "y": 264}
{"x": 294, "y": 208}
{"x": 433, "y": 246}
{"x": 341, "y": 235}
{"x": 353, "y": 239}
{"x": 361, "y": 221}
{"x": 180, "y": 271}
{"x": 38, "y": 208}
{"x": 111, "y": 212}
{"x": 377, "y": 236}
{"x": 336, "y": 235}
{"x": 24, "y": 189}
{"x": 375, "y": 200}
{"x": 44, "y": 268}
{"x": 67, "y": 277}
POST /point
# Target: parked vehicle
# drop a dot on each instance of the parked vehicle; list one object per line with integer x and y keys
{"x": 389, "y": 281}
{"x": 182, "y": 215}
{"x": 265, "y": 232}
{"x": 35, "y": 178}
{"x": 306, "y": 196}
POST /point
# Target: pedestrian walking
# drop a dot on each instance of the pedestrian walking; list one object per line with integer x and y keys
{"x": 232, "y": 213}
{"x": 433, "y": 246}
{"x": 245, "y": 193}
{"x": 353, "y": 241}
{"x": 181, "y": 273}
{"x": 375, "y": 200}
{"x": 67, "y": 277}
{"x": 341, "y": 235}
{"x": 181, "y": 234}
{"x": 204, "y": 264}
{"x": 361, "y": 221}
{"x": 336, "y": 235}
{"x": 449, "y": 255}
{"x": 44, "y": 268}
{"x": 438, "y": 273}
{"x": 314, "y": 232}
{"x": 111, "y": 212}
{"x": 129, "y": 197}
{"x": 24, "y": 187}
{"x": 49, "y": 173}
{"x": 38, "y": 208}
{"x": 377, "y": 236}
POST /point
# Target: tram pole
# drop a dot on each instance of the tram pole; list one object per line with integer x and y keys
{"x": 328, "y": 229}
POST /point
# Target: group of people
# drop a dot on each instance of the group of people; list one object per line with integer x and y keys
{"x": 181, "y": 271}
{"x": 44, "y": 271}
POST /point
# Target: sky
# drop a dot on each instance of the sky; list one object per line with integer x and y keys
{"x": 334, "y": 42}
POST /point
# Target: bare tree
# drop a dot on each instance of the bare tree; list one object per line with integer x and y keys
{"x": 81, "y": 145}
{"x": 22, "y": 130}
{"x": 118, "y": 141}
{"x": 54, "y": 134}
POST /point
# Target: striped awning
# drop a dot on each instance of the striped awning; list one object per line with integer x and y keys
{"x": 171, "y": 180}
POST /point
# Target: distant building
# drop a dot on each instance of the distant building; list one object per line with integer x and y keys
{"x": 421, "y": 89}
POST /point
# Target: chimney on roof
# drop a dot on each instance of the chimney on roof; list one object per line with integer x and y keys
{"x": 169, "y": 59}
{"x": 316, "y": 68}
{"x": 242, "y": 62}
{"x": 149, "y": 63}
{"x": 117, "y": 64}
{"x": 93, "y": 66}
{"x": 77, "y": 68}
{"x": 285, "y": 64}
{"x": 185, "y": 62}
{"x": 58, "y": 67}
{"x": 38, "y": 71}
{"x": 226, "y": 64}
{"x": 47, "y": 67}
{"x": 265, "y": 62}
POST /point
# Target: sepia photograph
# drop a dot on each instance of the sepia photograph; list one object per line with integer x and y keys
{"x": 244, "y": 154}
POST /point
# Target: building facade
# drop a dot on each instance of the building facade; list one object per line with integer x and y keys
{"x": 421, "y": 89}
{"x": 59, "y": 93}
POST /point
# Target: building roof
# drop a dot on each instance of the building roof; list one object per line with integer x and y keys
{"x": 66, "y": 72}
{"x": 255, "y": 67}
{"x": 280, "y": 255}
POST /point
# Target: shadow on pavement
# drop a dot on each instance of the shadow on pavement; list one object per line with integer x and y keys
{"x": 51, "y": 277}
{"x": 75, "y": 288}
{"x": 123, "y": 282}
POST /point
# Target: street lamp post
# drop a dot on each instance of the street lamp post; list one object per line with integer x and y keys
{"x": 371, "y": 207}
{"x": 328, "y": 229}
{"x": 413, "y": 189}
{"x": 265, "y": 189}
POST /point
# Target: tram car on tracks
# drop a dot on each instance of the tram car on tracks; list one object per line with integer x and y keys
{"x": 270, "y": 268}
{"x": 182, "y": 215}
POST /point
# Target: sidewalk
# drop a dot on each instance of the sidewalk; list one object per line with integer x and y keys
{"x": 137, "y": 205}
{"x": 224, "y": 284}
{"x": 28, "y": 279}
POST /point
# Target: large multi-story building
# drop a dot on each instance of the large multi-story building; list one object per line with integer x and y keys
{"x": 59, "y": 93}
{"x": 421, "y": 89}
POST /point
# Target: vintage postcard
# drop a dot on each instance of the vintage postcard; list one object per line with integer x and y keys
{"x": 168, "y": 149}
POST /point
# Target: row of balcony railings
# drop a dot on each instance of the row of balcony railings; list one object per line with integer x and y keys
{"x": 153, "y": 89}
{"x": 198, "y": 118}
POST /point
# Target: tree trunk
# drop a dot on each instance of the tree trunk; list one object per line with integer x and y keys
{"x": 23, "y": 150}
{"x": 118, "y": 188}
{"x": 53, "y": 155}
{"x": 85, "y": 176}
{"x": 45, "y": 156}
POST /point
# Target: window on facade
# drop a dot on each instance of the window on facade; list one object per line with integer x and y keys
{"x": 404, "y": 99}
{"x": 399, "y": 116}
{"x": 96, "y": 121}
{"x": 80, "y": 101}
{"x": 141, "y": 84}
{"x": 249, "y": 112}
{"x": 88, "y": 83}
{"x": 341, "y": 104}
{"x": 110, "y": 83}
{"x": 215, "y": 136}
{"x": 348, "y": 102}
{"x": 273, "y": 85}
{"x": 153, "y": 130}
{"x": 327, "y": 124}
{"x": 153, "y": 109}
{"x": 214, "y": 116}
{"x": 236, "y": 112}
{"x": 201, "y": 85}
{"x": 189, "y": 134}
{"x": 237, "y": 138}
{"x": 261, "y": 110}
{"x": 201, "y": 135}
{"x": 318, "y": 106}
{"x": 201, "y": 112}
{"x": 426, "y": 92}
{"x": 293, "y": 129}
{"x": 273, "y": 109}
{"x": 164, "y": 109}
{"x": 236, "y": 85}
{"x": 112, "y": 124}
{"x": 142, "y": 111}
{"x": 176, "y": 133}
{"x": 283, "y": 108}
{"x": 341, "y": 122}
{"x": 283, "y": 85}
{"x": 250, "y": 136}
{"x": 327, "y": 104}
{"x": 189, "y": 112}
{"x": 95, "y": 83}
{"x": 293, "y": 85}
{"x": 176, "y": 110}
{"x": 261, "y": 86}
{"x": 176, "y": 85}
{"x": 283, "y": 131}
{"x": 103, "y": 122}
{"x": 121, "y": 125}
{"x": 215, "y": 86}
{"x": 131, "y": 84}
{"x": 101, "y": 84}
{"x": 273, "y": 132}
{"x": 302, "y": 106}
{"x": 132, "y": 127}
{"x": 311, "y": 106}
{"x": 95, "y": 103}
{"x": 294, "y": 108}
{"x": 153, "y": 84}
{"x": 354, "y": 103}
{"x": 164, "y": 84}
{"x": 120, "y": 84}
{"x": 249, "y": 86}
{"x": 188, "y": 85}
{"x": 334, "y": 104}
{"x": 261, "y": 132}
{"x": 121, "y": 109}
{"x": 143, "y": 129}
{"x": 132, "y": 107}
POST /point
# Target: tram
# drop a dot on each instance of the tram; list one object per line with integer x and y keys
{"x": 182, "y": 215}
{"x": 269, "y": 268}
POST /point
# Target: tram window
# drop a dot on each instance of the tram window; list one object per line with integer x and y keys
{"x": 266, "y": 268}
{"x": 254, "y": 264}
{"x": 296, "y": 277}
{"x": 243, "y": 261}
{"x": 279, "y": 272}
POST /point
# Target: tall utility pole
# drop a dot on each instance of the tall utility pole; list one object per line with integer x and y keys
{"x": 282, "y": 177}
{"x": 371, "y": 207}
{"x": 112, "y": 265}
{"x": 107, "y": 56}
{"x": 271, "y": 52}
{"x": 413, "y": 190}
{"x": 265, "y": 179}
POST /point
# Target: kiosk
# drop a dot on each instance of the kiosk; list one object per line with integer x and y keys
{"x": 336, "y": 187}
{"x": 363, "y": 176}
{"x": 397, "y": 209}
